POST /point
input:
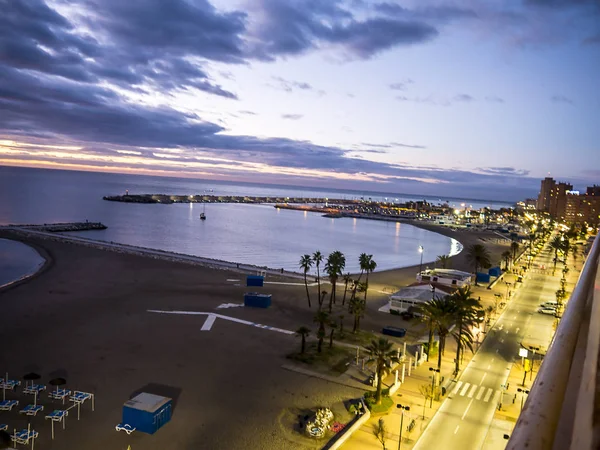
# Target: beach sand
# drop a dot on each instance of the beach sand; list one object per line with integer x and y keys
{"x": 85, "y": 317}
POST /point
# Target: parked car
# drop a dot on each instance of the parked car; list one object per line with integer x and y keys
{"x": 550, "y": 311}
{"x": 550, "y": 304}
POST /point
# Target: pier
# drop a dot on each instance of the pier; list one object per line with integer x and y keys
{"x": 62, "y": 227}
{"x": 169, "y": 199}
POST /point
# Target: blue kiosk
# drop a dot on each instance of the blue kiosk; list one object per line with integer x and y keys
{"x": 147, "y": 412}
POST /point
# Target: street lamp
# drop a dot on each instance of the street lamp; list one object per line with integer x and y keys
{"x": 421, "y": 263}
{"x": 523, "y": 392}
{"x": 434, "y": 370}
{"x": 508, "y": 285}
{"x": 402, "y": 408}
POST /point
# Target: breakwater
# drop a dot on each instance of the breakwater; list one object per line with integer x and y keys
{"x": 62, "y": 227}
{"x": 169, "y": 199}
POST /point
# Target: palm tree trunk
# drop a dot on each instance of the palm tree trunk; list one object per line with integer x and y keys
{"x": 320, "y": 344}
{"x": 355, "y": 329}
{"x": 319, "y": 285}
{"x": 379, "y": 383}
{"x": 307, "y": 293}
{"x": 458, "y": 347}
{"x": 430, "y": 345}
{"x": 366, "y": 287}
{"x": 345, "y": 291}
{"x": 440, "y": 353}
{"x": 331, "y": 338}
{"x": 303, "y": 344}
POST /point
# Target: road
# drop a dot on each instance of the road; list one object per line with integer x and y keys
{"x": 464, "y": 418}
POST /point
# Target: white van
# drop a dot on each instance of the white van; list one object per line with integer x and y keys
{"x": 550, "y": 304}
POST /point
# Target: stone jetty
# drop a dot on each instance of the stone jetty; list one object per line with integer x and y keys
{"x": 62, "y": 227}
{"x": 169, "y": 199}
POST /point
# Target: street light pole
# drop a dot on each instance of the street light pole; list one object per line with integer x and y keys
{"x": 523, "y": 392}
{"x": 402, "y": 408}
{"x": 421, "y": 249}
{"x": 434, "y": 370}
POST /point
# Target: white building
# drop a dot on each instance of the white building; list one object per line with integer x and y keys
{"x": 449, "y": 277}
{"x": 415, "y": 295}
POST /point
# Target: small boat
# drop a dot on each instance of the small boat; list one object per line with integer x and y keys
{"x": 203, "y": 213}
{"x": 202, "y": 216}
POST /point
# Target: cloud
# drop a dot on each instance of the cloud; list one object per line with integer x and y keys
{"x": 592, "y": 40}
{"x": 292, "y": 116}
{"x": 246, "y": 112}
{"x": 401, "y": 85}
{"x": 561, "y": 99}
{"x": 463, "y": 98}
{"x": 294, "y": 28}
{"x": 504, "y": 171}
{"x": 494, "y": 99}
{"x": 399, "y": 144}
{"x": 290, "y": 85}
{"x": 439, "y": 13}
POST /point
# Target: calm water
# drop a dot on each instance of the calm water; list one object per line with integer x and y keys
{"x": 253, "y": 234}
{"x": 17, "y": 260}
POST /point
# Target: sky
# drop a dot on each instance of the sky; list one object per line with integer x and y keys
{"x": 471, "y": 98}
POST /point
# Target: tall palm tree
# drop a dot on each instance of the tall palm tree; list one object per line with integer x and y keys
{"x": 303, "y": 332}
{"x": 514, "y": 246}
{"x": 356, "y": 305}
{"x": 556, "y": 244}
{"x": 382, "y": 353}
{"x": 466, "y": 315}
{"x": 444, "y": 261}
{"x": 347, "y": 280}
{"x": 479, "y": 256}
{"x": 427, "y": 314}
{"x": 317, "y": 258}
{"x": 506, "y": 257}
{"x": 369, "y": 268}
{"x": 305, "y": 265}
{"x": 334, "y": 266}
{"x": 443, "y": 315}
{"x": 321, "y": 317}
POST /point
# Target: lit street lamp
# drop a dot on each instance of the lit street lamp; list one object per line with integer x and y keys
{"x": 523, "y": 392}
{"x": 421, "y": 263}
{"x": 434, "y": 370}
{"x": 402, "y": 408}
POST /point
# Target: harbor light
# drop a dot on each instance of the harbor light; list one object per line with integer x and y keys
{"x": 421, "y": 249}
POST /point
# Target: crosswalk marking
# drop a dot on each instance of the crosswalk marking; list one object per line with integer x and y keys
{"x": 465, "y": 389}
{"x": 488, "y": 394}
{"x": 457, "y": 387}
{"x": 472, "y": 391}
{"x": 480, "y": 393}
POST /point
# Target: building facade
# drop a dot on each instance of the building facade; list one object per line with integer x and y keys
{"x": 562, "y": 203}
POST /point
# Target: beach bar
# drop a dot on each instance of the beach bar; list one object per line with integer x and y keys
{"x": 147, "y": 412}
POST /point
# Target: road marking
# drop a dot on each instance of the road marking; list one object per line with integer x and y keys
{"x": 489, "y": 365}
{"x": 466, "y": 410}
{"x": 231, "y": 280}
{"x": 480, "y": 393}
{"x": 221, "y": 316}
{"x": 501, "y": 340}
{"x": 472, "y": 391}
{"x": 208, "y": 323}
{"x": 488, "y": 394}
{"x": 483, "y": 378}
{"x": 465, "y": 389}
{"x": 492, "y": 359}
{"x": 456, "y": 429}
{"x": 517, "y": 330}
{"x": 457, "y": 387}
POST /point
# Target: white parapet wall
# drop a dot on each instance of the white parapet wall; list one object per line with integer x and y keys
{"x": 345, "y": 434}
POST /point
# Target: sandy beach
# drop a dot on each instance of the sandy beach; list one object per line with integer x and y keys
{"x": 85, "y": 317}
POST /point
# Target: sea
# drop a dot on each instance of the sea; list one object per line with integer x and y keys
{"x": 261, "y": 235}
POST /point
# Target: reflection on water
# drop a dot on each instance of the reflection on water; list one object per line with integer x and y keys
{"x": 17, "y": 260}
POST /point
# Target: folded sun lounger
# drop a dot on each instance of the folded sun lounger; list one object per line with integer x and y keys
{"x": 3, "y": 427}
{"x": 7, "y": 405}
{"x": 57, "y": 415}
{"x": 125, "y": 427}
{"x": 32, "y": 410}
{"x": 9, "y": 384}
{"x": 34, "y": 389}
{"x": 59, "y": 394}
{"x": 80, "y": 397}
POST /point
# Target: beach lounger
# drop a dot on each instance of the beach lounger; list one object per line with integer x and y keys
{"x": 3, "y": 427}
{"x": 9, "y": 384}
{"x": 58, "y": 415}
{"x": 125, "y": 427}
{"x": 24, "y": 436}
{"x": 32, "y": 410}
{"x": 34, "y": 389}
{"x": 79, "y": 398}
{"x": 7, "y": 405}
{"x": 59, "y": 394}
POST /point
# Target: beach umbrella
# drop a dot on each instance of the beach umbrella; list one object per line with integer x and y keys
{"x": 32, "y": 376}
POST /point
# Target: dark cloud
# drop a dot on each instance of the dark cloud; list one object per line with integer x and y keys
{"x": 290, "y": 85}
{"x": 399, "y": 144}
{"x": 561, "y": 99}
{"x": 295, "y": 27}
{"x": 494, "y": 99}
{"x": 504, "y": 171}
{"x": 593, "y": 40}
{"x": 563, "y": 4}
{"x": 292, "y": 116}
{"x": 435, "y": 13}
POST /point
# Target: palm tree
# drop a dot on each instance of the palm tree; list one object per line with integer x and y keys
{"x": 305, "y": 265}
{"x": 317, "y": 258}
{"x": 347, "y": 279}
{"x": 332, "y": 326}
{"x": 303, "y": 332}
{"x": 479, "y": 256}
{"x": 369, "y": 268}
{"x": 356, "y": 305}
{"x": 514, "y": 246}
{"x": 382, "y": 353}
{"x": 444, "y": 261}
{"x": 427, "y": 314}
{"x": 506, "y": 257}
{"x": 466, "y": 315}
{"x": 321, "y": 317}
{"x": 556, "y": 244}
{"x": 442, "y": 312}
{"x": 334, "y": 266}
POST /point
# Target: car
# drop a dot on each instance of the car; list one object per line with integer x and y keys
{"x": 550, "y": 304}
{"x": 550, "y": 311}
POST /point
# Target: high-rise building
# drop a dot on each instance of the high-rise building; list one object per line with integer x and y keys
{"x": 543, "y": 203}
{"x": 558, "y": 199}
